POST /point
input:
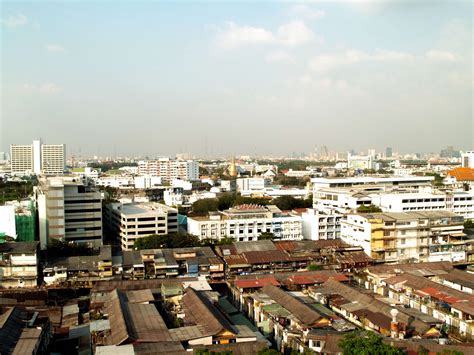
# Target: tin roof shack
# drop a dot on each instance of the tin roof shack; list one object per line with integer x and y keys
{"x": 80, "y": 270}
{"x": 23, "y": 332}
{"x": 163, "y": 263}
{"x": 372, "y": 314}
{"x": 205, "y": 324}
{"x": 285, "y": 318}
{"x": 19, "y": 264}
{"x": 245, "y": 285}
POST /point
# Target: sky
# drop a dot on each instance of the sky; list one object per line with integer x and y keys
{"x": 223, "y": 78}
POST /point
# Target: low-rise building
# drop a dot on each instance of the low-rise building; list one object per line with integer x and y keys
{"x": 19, "y": 264}
{"x": 247, "y": 223}
{"x": 408, "y": 236}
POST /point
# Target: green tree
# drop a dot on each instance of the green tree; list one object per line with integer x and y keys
{"x": 204, "y": 206}
{"x": 286, "y": 203}
{"x": 167, "y": 241}
{"x": 368, "y": 209}
{"x": 226, "y": 200}
{"x": 358, "y": 343}
{"x": 468, "y": 223}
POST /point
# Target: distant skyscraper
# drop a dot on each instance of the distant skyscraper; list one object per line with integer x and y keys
{"x": 38, "y": 158}
{"x": 388, "y": 152}
{"x": 467, "y": 159}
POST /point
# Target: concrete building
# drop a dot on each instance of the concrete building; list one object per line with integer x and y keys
{"x": 132, "y": 221}
{"x": 321, "y": 224}
{"x": 458, "y": 202}
{"x": 408, "y": 236}
{"x": 249, "y": 186}
{"x": 170, "y": 169}
{"x": 357, "y": 162}
{"x": 38, "y": 158}
{"x": 467, "y": 159}
{"x": 19, "y": 266}
{"x": 68, "y": 210}
{"x": 7, "y": 221}
{"x": 247, "y": 223}
{"x": 406, "y": 182}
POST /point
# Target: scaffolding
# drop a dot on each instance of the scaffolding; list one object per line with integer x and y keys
{"x": 25, "y": 222}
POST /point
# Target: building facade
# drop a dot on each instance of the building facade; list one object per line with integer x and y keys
{"x": 38, "y": 158}
{"x": 170, "y": 169}
{"x": 132, "y": 221}
{"x": 247, "y": 223}
{"x": 69, "y": 210}
{"x": 408, "y": 236}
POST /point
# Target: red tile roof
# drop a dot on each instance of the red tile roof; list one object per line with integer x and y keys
{"x": 256, "y": 283}
{"x": 462, "y": 174}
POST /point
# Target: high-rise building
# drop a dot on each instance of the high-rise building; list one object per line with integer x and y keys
{"x": 21, "y": 159}
{"x": 37, "y": 158}
{"x": 388, "y": 152}
{"x": 467, "y": 159}
{"x": 68, "y": 210}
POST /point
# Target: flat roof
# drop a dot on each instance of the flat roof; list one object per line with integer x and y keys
{"x": 142, "y": 208}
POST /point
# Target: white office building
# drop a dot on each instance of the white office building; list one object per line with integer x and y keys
{"x": 246, "y": 223}
{"x": 405, "y": 182}
{"x": 249, "y": 186}
{"x": 132, "y": 221}
{"x": 38, "y": 158}
{"x": 458, "y": 202}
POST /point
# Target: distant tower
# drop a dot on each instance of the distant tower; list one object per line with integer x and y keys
{"x": 233, "y": 168}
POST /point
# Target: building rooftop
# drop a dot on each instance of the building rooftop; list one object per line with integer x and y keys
{"x": 142, "y": 208}
{"x": 462, "y": 174}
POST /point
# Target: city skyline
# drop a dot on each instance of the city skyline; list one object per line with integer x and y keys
{"x": 223, "y": 79}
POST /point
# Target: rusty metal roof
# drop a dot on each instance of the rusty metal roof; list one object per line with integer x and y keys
{"x": 202, "y": 312}
{"x": 301, "y": 311}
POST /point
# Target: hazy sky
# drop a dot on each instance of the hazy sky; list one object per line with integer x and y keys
{"x": 226, "y": 78}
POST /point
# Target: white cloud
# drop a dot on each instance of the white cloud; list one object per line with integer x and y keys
{"x": 47, "y": 88}
{"x": 291, "y": 34}
{"x": 307, "y": 12}
{"x": 278, "y": 57}
{"x": 441, "y": 56}
{"x": 326, "y": 62}
{"x": 55, "y": 48}
{"x": 295, "y": 33}
{"x": 15, "y": 21}
{"x": 235, "y": 36}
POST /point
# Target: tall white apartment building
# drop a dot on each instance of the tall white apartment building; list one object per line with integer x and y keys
{"x": 137, "y": 220}
{"x": 246, "y": 223}
{"x": 68, "y": 210}
{"x": 170, "y": 169}
{"x": 408, "y": 236}
{"x": 21, "y": 159}
{"x": 38, "y": 158}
